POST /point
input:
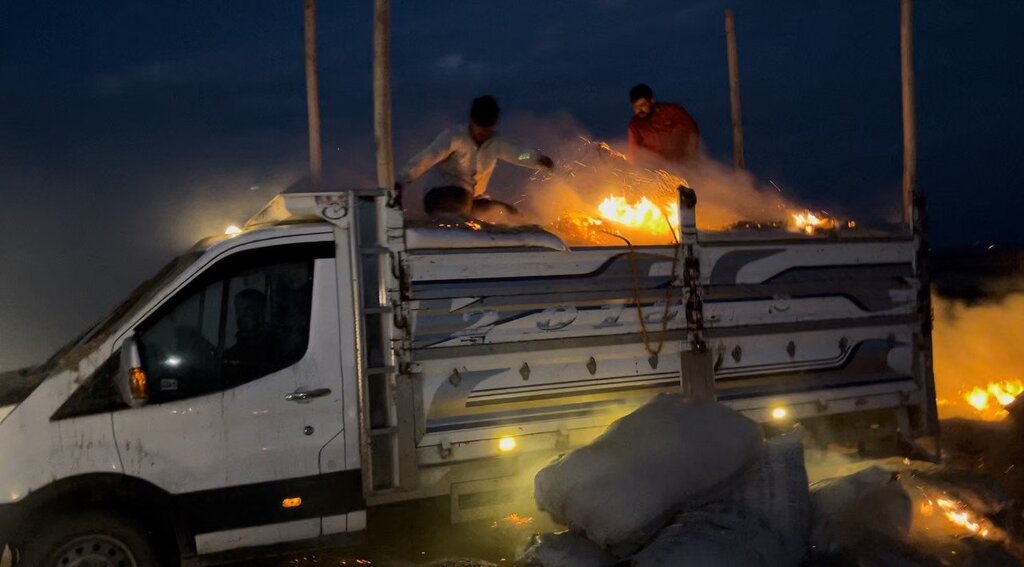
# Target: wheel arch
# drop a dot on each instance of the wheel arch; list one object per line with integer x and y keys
{"x": 136, "y": 498}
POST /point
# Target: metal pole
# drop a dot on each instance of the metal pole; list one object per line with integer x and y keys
{"x": 909, "y": 119}
{"x": 316, "y": 171}
{"x": 382, "y": 92}
{"x": 734, "y": 90}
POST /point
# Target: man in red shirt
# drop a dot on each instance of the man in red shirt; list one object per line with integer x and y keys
{"x": 663, "y": 129}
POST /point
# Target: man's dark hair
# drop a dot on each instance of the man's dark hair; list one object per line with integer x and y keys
{"x": 640, "y": 91}
{"x": 484, "y": 111}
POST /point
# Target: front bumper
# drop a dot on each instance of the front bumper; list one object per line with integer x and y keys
{"x": 10, "y": 517}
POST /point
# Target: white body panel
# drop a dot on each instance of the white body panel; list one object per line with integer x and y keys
{"x": 179, "y": 446}
{"x": 216, "y": 542}
{"x": 36, "y": 451}
{"x": 266, "y": 434}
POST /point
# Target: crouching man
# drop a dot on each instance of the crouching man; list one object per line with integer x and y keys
{"x": 466, "y": 156}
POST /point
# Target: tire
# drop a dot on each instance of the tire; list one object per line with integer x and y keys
{"x": 89, "y": 539}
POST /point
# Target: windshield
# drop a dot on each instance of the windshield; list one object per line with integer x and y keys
{"x": 143, "y": 292}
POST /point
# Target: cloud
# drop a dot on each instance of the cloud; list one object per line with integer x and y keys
{"x": 109, "y": 85}
{"x": 450, "y": 62}
{"x": 457, "y": 64}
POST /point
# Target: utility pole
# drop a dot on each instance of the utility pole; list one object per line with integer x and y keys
{"x": 382, "y": 93}
{"x": 316, "y": 170}
{"x": 734, "y": 90}
{"x": 909, "y": 118}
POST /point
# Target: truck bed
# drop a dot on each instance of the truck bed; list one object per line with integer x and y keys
{"x": 512, "y": 342}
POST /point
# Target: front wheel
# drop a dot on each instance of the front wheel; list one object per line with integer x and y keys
{"x": 92, "y": 539}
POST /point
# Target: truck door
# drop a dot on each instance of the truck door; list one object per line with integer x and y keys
{"x": 245, "y": 391}
{"x": 276, "y": 425}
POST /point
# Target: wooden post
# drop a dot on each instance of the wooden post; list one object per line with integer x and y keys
{"x": 382, "y": 92}
{"x": 734, "y": 90}
{"x": 316, "y": 171}
{"x": 909, "y": 119}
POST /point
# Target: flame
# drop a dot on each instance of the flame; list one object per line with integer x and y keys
{"x": 958, "y": 514}
{"x": 991, "y": 400}
{"x": 640, "y": 215}
{"x": 808, "y": 222}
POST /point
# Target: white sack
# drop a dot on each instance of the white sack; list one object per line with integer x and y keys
{"x": 630, "y": 481}
{"x": 763, "y": 521}
{"x": 701, "y": 539}
{"x": 564, "y": 549}
{"x": 855, "y": 508}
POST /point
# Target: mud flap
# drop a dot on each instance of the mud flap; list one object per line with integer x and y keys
{"x": 697, "y": 374}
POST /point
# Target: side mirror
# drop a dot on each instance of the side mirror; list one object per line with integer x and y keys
{"x": 131, "y": 378}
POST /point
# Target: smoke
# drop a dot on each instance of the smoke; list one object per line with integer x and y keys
{"x": 976, "y": 345}
{"x": 588, "y": 171}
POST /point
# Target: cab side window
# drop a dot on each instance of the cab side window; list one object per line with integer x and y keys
{"x": 267, "y": 320}
{"x": 179, "y": 348}
{"x": 242, "y": 322}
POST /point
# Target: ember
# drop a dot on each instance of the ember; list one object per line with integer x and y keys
{"x": 516, "y": 521}
{"x": 958, "y": 514}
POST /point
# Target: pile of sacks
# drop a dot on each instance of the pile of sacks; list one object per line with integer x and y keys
{"x": 682, "y": 482}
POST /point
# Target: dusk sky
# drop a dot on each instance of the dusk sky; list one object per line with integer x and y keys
{"x": 129, "y": 130}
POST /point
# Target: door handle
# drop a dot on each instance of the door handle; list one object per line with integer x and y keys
{"x": 306, "y": 395}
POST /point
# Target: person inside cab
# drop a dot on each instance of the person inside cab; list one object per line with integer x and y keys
{"x": 256, "y": 342}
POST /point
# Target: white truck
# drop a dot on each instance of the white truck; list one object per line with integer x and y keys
{"x": 267, "y": 388}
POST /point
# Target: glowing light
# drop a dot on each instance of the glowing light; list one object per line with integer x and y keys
{"x": 137, "y": 384}
{"x": 232, "y": 230}
{"x": 978, "y": 398}
{"x": 516, "y": 520}
{"x": 994, "y": 396}
{"x": 642, "y": 214}
{"x": 808, "y": 222}
{"x": 778, "y": 414}
{"x": 958, "y": 514}
{"x": 172, "y": 361}
{"x": 293, "y": 502}
{"x": 507, "y": 444}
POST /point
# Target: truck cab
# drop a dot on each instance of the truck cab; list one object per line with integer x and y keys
{"x": 267, "y": 388}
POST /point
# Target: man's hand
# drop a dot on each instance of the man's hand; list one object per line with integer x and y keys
{"x": 397, "y": 200}
{"x": 546, "y": 161}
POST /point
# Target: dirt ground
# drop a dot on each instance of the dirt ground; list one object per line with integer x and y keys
{"x": 982, "y": 474}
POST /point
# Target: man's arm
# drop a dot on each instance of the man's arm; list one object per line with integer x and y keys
{"x": 430, "y": 156}
{"x": 635, "y": 144}
{"x": 518, "y": 155}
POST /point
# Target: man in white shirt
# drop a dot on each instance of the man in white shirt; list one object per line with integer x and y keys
{"x": 466, "y": 156}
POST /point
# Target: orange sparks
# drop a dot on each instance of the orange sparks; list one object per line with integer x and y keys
{"x": 514, "y": 520}
{"x": 518, "y": 521}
